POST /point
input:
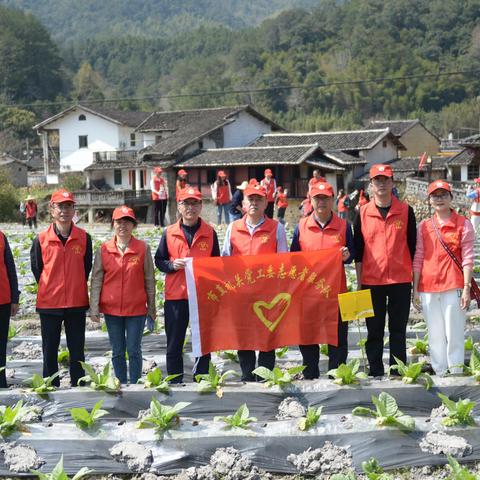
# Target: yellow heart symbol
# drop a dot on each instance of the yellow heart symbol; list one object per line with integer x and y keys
{"x": 283, "y": 301}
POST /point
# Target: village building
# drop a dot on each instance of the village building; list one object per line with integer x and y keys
{"x": 16, "y": 170}
{"x": 465, "y": 166}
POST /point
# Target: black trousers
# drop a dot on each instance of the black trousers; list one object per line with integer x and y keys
{"x": 51, "y": 328}
{"x": 336, "y": 355}
{"x": 269, "y": 209}
{"x": 32, "y": 221}
{"x": 394, "y": 299}
{"x": 5, "y": 310}
{"x": 248, "y": 360}
{"x": 159, "y": 209}
{"x": 176, "y": 323}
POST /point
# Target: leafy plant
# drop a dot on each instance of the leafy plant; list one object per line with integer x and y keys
{"x": 58, "y": 473}
{"x": 154, "y": 379}
{"x": 229, "y": 355}
{"x": 459, "y": 472}
{"x": 240, "y": 419}
{"x": 347, "y": 374}
{"x": 324, "y": 349}
{"x": 281, "y": 352}
{"x": 459, "y": 413}
{"x": 473, "y": 368}
{"x": 374, "y": 471}
{"x": 31, "y": 288}
{"x": 311, "y": 418}
{"x": 162, "y": 417}
{"x": 13, "y": 331}
{"x": 64, "y": 356}
{"x": 11, "y": 418}
{"x": 412, "y": 373}
{"x": 278, "y": 377}
{"x": 85, "y": 419}
{"x": 419, "y": 346}
{"x": 469, "y": 344}
{"x": 106, "y": 381}
{"x": 213, "y": 381}
{"x": 386, "y": 413}
{"x": 41, "y": 385}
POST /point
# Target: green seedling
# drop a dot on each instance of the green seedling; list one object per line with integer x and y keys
{"x": 324, "y": 349}
{"x": 155, "y": 379}
{"x": 473, "y": 368}
{"x": 344, "y": 476}
{"x": 213, "y": 381}
{"x": 459, "y": 472}
{"x": 13, "y": 331}
{"x": 58, "y": 473}
{"x": 229, "y": 355}
{"x": 278, "y": 377}
{"x": 374, "y": 471}
{"x": 11, "y": 418}
{"x": 412, "y": 373}
{"x": 469, "y": 344}
{"x": 240, "y": 419}
{"x": 347, "y": 374}
{"x": 459, "y": 413}
{"x": 31, "y": 288}
{"x": 41, "y": 385}
{"x": 280, "y": 353}
{"x": 162, "y": 417}
{"x": 386, "y": 413}
{"x": 311, "y": 418}
{"x": 105, "y": 381}
{"x": 16, "y": 253}
{"x": 419, "y": 346}
{"x": 85, "y": 419}
{"x": 64, "y": 356}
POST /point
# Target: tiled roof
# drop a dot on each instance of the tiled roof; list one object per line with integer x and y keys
{"x": 344, "y": 158}
{"x": 397, "y": 127}
{"x": 473, "y": 141}
{"x": 465, "y": 157}
{"x": 352, "y": 140}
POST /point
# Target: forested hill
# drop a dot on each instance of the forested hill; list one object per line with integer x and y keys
{"x": 73, "y": 20}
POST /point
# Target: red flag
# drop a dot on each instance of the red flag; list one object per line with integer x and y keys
{"x": 423, "y": 160}
{"x": 263, "y": 302}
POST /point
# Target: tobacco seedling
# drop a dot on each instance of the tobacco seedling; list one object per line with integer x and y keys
{"x": 374, "y": 471}
{"x": 162, "y": 417}
{"x": 240, "y": 419}
{"x": 386, "y": 413}
{"x": 11, "y": 418}
{"x": 213, "y": 381}
{"x": 459, "y": 472}
{"x": 347, "y": 374}
{"x": 278, "y": 377}
{"x": 311, "y": 418}
{"x": 41, "y": 385}
{"x": 473, "y": 368}
{"x": 229, "y": 355}
{"x": 459, "y": 413}
{"x": 58, "y": 473}
{"x": 469, "y": 344}
{"x": 85, "y": 419}
{"x": 64, "y": 356}
{"x": 281, "y": 352}
{"x": 412, "y": 373}
{"x": 105, "y": 381}
{"x": 419, "y": 346}
{"x": 155, "y": 379}
{"x": 13, "y": 331}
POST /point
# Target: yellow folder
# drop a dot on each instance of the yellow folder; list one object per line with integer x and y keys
{"x": 355, "y": 305}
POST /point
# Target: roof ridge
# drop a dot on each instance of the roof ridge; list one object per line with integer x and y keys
{"x": 365, "y": 130}
{"x": 234, "y": 107}
{"x": 267, "y": 147}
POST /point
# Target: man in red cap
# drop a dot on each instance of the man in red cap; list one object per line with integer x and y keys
{"x": 315, "y": 179}
{"x": 158, "y": 186}
{"x": 222, "y": 196}
{"x": 61, "y": 259}
{"x": 385, "y": 239}
{"x": 189, "y": 237}
{"x": 473, "y": 193}
{"x": 254, "y": 234}
{"x": 181, "y": 182}
{"x": 324, "y": 229}
{"x": 270, "y": 186}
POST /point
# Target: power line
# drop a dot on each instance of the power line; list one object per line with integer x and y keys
{"x": 251, "y": 90}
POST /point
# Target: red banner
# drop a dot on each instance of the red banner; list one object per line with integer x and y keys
{"x": 264, "y": 302}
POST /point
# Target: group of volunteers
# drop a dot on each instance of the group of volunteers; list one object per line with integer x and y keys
{"x": 390, "y": 252}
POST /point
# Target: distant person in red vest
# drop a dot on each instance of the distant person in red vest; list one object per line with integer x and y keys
{"x": 315, "y": 179}
{"x": 181, "y": 182}
{"x": 31, "y": 211}
{"x": 222, "y": 196}
{"x": 123, "y": 289}
{"x": 342, "y": 204}
{"x": 306, "y": 207}
{"x": 362, "y": 200}
{"x": 254, "y": 234}
{"x": 441, "y": 288}
{"x": 473, "y": 193}
{"x": 323, "y": 229}
{"x": 281, "y": 200}
{"x": 159, "y": 188}
{"x": 270, "y": 186}
{"x": 61, "y": 259}
{"x": 385, "y": 239}
{"x": 189, "y": 237}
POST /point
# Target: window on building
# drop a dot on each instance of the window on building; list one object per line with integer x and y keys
{"x": 200, "y": 144}
{"x": 384, "y": 144}
{"x": 117, "y": 177}
{"x": 133, "y": 140}
{"x": 82, "y": 141}
{"x": 473, "y": 172}
{"x": 158, "y": 138}
{"x": 82, "y": 117}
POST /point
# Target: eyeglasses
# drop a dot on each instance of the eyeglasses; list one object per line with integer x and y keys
{"x": 64, "y": 206}
{"x": 440, "y": 196}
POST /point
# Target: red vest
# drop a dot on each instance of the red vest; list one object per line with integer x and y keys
{"x": 386, "y": 258}
{"x": 270, "y": 188}
{"x": 282, "y": 201}
{"x": 62, "y": 282}
{"x": 5, "y": 292}
{"x": 312, "y": 237}
{"x": 31, "y": 209}
{"x": 179, "y": 186}
{"x": 439, "y": 273}
{"x": 263, "y": 240}
{"x": 341, "y": 204}
{"x": 223, "y": 194}
{"x": 157, "y": 183}
{"x": 175, "y": 283}
{"x": 123, "y": 289}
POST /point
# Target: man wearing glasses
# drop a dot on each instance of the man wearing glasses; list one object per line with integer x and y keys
{"x": 385, "y": 240}
{"x": 61, "y": 260}
{"x": 189, "y": 237}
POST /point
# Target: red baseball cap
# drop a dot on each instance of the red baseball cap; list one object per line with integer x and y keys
{"x": 381, "y": 170}
{"x": 322, "y": 188}
{"x": 189, "y": 192}
{"x": 221, "y": 173}
{"x": 182, "y": 173}
{"x": 157, "y": 170}
{"x": 255, "y": 190}
{"x": 124, "y": 212}
{"x": 476, "y": 180}
{"x": 62, "y": 196}
{"x": 437, "y": 185}
{"x": 253, "y": 181}
{"x": 267, "y": 172}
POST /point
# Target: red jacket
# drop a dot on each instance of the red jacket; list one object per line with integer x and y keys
{"x": 30, "y": 209}
{"x": 263, "y": 240}
{"x": 62, "y": 281}
{"x": 5, "y": 292}
{"x": 270, "y": 187}
{"x": 123, "y": 289}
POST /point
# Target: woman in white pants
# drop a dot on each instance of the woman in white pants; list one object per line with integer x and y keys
{"x": 440, "y": 287}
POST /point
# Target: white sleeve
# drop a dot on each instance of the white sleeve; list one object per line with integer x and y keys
{"x": 227, "y": 247}
{"x": 282, "y": 244}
